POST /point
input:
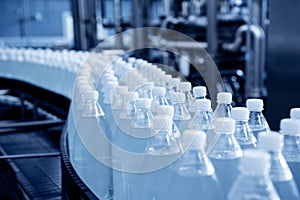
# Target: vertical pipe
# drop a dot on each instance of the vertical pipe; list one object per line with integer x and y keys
{"x": 118, "y": 28}
{"x": 140, "y": 19}
{"x": 256, "y": 49}
{"x": 212, "y": 32}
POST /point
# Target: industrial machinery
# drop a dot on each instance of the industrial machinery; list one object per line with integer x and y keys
{"x": 233, "y": 32}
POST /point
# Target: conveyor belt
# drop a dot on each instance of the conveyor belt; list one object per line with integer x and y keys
{"x": 40, "y": 178}
{"x": 31, "y": 123}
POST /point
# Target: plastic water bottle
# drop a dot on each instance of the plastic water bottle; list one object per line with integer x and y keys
{"x": 202, "y": 118}
{"x": 257, "y": 121}
{"x": 186, "y": 87}
{"x": 143, "y": 116}
{"x": 223, "y": 109}
{"x": 168, "y": 111}
{"x": 158, "y": 98}
{"x": 81, "y": 87}
{"x": 107, "y": 105}
{"x": 145, "y": 91}
{"x": 90, "y": 128}
{"x": 225, "y": 153}
{"x": 134, "y": 128}
{"x": 195, "y": 175}
{"x": 117, "y": 107}
{"x": 254, "y": 181}
{"x": 290, "y": 129}
{"x": 181, "y": 113}
{"x": 129, "y": 103}
{"x": 172, "y": 85}
{"x": 243, "y": 133}
{"x": 161, "y": 147}
{"x": 199, "y": 92}
{"x": 280, "y": 172}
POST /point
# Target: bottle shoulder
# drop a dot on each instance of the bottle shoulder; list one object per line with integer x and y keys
{"x": 225, "y": 147}
{"x": 253, "y": 187}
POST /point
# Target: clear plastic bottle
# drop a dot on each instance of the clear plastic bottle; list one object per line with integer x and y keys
{"x": 107, "y": 105}
{"x": 243, "y": 133}
{"x": 182, "y": 116}
{"x": 168, "y": 110}
{"x": 223, "y": 109}
{"x": 117, "y": 107}
{"x": 254, "y": 181}
{"x": 131, "y": 136}
{"x": 171, "y": 90}
{"x": 158, "y": 98}
{"x": 195, "y": 175}
{"x": 90, "y": 129}
{"x": 202, "y": 118}
{"x": 82, "y": 86}
{"x": 199, "y": 92}
{"x": 290, "y": 129}
{"x": 257, "y": 121}
{"x": 145, "y": 90}
{"x": 225, "y": 153}
{"x": 280, "y": 172}
{"x": 156, "y": 183}
{"x": 117, "y": 104}
{"x": 186, "y": 87}
{"x": 143, "y": 116}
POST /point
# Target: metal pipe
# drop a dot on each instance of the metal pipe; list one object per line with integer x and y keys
{"x": 33, "y": 155}
{"x": 255, "y": 64}
{"x": 211, "y": 32}
{"x": 118, "y": 28}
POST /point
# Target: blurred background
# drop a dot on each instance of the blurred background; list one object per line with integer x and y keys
{"x": 81, "y": 25}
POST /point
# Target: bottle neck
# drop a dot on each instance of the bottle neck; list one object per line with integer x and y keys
{"x": 194, "y": 163}
{"x": 223, "y": 110}
{"x": 162, "y": 143}
{"x": 92, "y": 109}
{"x": 180, "y": 111}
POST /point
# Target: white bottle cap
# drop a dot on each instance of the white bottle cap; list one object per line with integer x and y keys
{"x": 196, "y": 138}
{"x": 290, "y": 126}
{"x": 130, "y": 96}
{"x": 174, "y": 82}
{"x": 203, "y": 104}
{"x": 131, "y": 59}
{"x": 159, "y": 91}
{"x": 168, "y": 77}
{"x": 111, "y": 85}
{"x": 295, "y": 113}
{"x": 255, "y": 105}
{"x": 160, "y": 122}
{"x": 84, "y": 88}
{"x": 108, "y": 78}
{"x": 120, "y": 90}
{"x": 165, "y": 110}
{"x": 184, "y": 86}
{"x": 199, "y": 91}
{"x": 270, "y": 141}
{"x": 224, "y": 97}
{"x": 224, "y": 125}
{"x": 148, "y": 85}
{"x": 240, "y": 114}
{"x": 143, "y": 103}
{"x": 254, "y": 162}
{"x": 92, "y": 95}
{"x": 178, "y": 97}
